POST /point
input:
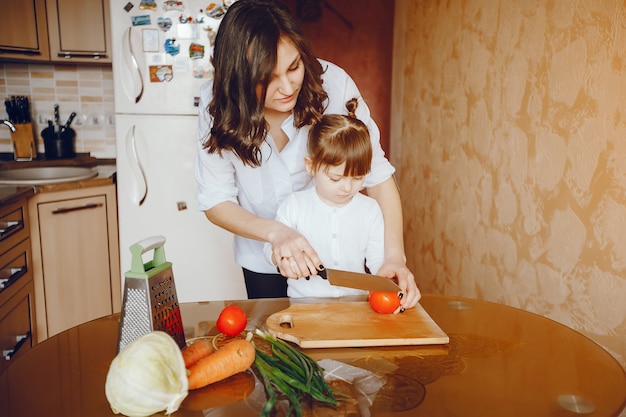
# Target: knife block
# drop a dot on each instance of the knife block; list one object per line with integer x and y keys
{"x": 24, "y": 146}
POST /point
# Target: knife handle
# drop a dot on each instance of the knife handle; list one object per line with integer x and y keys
{"x": 69, "y": 120}
{"x": 56, "y": 114}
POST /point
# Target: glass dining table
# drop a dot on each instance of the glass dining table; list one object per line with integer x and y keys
{"x": 500, "y": 361}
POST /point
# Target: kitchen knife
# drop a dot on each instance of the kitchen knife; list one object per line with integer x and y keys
{"x": 9, "y": 108}
{"x": 367, "y": 282}
{"x": 69, "y": 121}
{"x": 15, "y": 109}
{"x": 26, "y": 109}
{"x": 56, "y": 114}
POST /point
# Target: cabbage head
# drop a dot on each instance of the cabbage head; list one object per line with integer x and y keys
{"x": 147, "y": 377}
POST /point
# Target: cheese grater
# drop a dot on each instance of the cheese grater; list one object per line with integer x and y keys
{"x": 150, "y": 302}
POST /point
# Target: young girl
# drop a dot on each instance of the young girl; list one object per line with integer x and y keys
{"x": 344, "y": 226}
{"x": 254, "y": 118}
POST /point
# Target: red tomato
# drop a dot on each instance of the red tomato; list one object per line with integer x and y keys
{"x": 231, "y": 321}
{"x": 384, "y": 302}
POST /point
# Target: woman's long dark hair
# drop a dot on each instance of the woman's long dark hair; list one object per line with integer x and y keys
{"x": 244, "y": 57}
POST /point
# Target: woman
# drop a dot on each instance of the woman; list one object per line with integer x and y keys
{"x": 254, "y": 120}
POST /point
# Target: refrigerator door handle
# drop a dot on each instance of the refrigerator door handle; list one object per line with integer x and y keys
{"x": 139, "y": 189}
{"x": 133, "y": 59}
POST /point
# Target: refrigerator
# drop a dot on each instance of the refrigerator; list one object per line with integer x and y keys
{"x": 161, "y": 56}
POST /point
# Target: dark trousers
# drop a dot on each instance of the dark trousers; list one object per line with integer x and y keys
{"x": 260, "y": 285}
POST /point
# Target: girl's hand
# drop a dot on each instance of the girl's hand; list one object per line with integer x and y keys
{"x": 410, "y": 293}
{"x": 294, "y": 256}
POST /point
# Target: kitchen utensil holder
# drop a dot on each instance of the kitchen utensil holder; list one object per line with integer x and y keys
{"x": 59, "y": 143}
{"x": 150, "y": 302}
{"x": 24, "y": 146}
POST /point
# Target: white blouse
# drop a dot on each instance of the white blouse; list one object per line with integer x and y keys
{"x": 261, "y": 189}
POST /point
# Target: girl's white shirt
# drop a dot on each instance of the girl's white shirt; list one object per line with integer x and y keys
{"x": 344, "y": 238}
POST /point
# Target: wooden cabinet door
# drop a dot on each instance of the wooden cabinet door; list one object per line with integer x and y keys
{"x": 24, "y": 30}
{"x": 79, "y": 31}
{"x": 76, "y": 267}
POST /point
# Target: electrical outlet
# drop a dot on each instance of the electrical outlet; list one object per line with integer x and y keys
{"x": 95, "y": 120}
{"x": 79, "y": 121}
{"x": 42, "y": 119}
{"x": 109, "y": 120}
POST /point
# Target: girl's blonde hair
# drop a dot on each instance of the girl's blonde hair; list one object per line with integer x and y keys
{"x": 339, "y": 138}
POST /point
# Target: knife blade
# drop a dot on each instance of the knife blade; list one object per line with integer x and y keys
{"x": 360, "y": 281}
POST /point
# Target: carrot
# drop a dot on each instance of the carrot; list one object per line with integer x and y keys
{"x": 227, "y": 391}
{"x": 197, "y": 350}
{"x": 234, "y": 357}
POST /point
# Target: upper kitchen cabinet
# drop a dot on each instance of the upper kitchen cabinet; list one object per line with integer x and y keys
{"x": 24, "y": 31}
{"x": 78, "y": 30}
{"x": 73, "y": 31}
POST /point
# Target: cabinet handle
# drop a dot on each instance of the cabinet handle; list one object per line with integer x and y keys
{"x": 70, "y": 55}
{"x": 78, "y": 208}
{"x": 16, "y": 273}
{"x": 8, "y": 227}
{"x": 21, "y": 339}
{"x": 19, "y": 51}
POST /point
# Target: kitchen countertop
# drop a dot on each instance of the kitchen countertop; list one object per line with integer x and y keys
{"x": 11, "y": 193}
{"x": 8, "y": 193}
{"x": 81, "y": 159}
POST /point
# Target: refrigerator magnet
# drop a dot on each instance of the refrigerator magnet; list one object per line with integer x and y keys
{"x": 164, "y": 23}
{"x": 216, "y": 11}
{"x": 196, "y": 51}
{"x": 171, "y": 47}
{"x": 202, "y": 71}
{"x": 150, "y": 40}
{"x": 147, "y": 5}
{"x": 170, "y": 5}
{"x": 185, "y": 19}
{"x": 140, "y": 20}
{"x": 161, "y": 73}
{"x": 211, "y": 34}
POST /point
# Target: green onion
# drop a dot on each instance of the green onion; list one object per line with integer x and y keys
{"x": 291, "y": 373}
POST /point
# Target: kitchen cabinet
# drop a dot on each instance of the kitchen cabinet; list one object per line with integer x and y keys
{"x": 17, "y": 304}
{"x": 56, "y": 31}
{"x": 76, "y": 268}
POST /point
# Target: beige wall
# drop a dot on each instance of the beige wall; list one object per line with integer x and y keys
{"x": 363, "y": 50}
{"x": 509, "y": 134}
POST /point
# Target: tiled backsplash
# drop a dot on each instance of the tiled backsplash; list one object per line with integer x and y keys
{"x": 87, "y": 90}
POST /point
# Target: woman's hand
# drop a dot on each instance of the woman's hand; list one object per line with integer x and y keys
{"x": 293, "y": 255}
{"x": 291, "y": 252}
{"x": 398, "y": 269}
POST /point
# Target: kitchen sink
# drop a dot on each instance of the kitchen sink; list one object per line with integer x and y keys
{"x": 45, "y": 175}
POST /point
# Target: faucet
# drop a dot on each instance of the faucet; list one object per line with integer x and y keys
{"x": 9, "y": 124}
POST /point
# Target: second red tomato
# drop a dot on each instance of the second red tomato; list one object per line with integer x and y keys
{"x": 231, "y": 321}
{"x": 384, "y": 302}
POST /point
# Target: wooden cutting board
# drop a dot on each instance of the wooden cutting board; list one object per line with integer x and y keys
{"x": 353, "y": 324}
